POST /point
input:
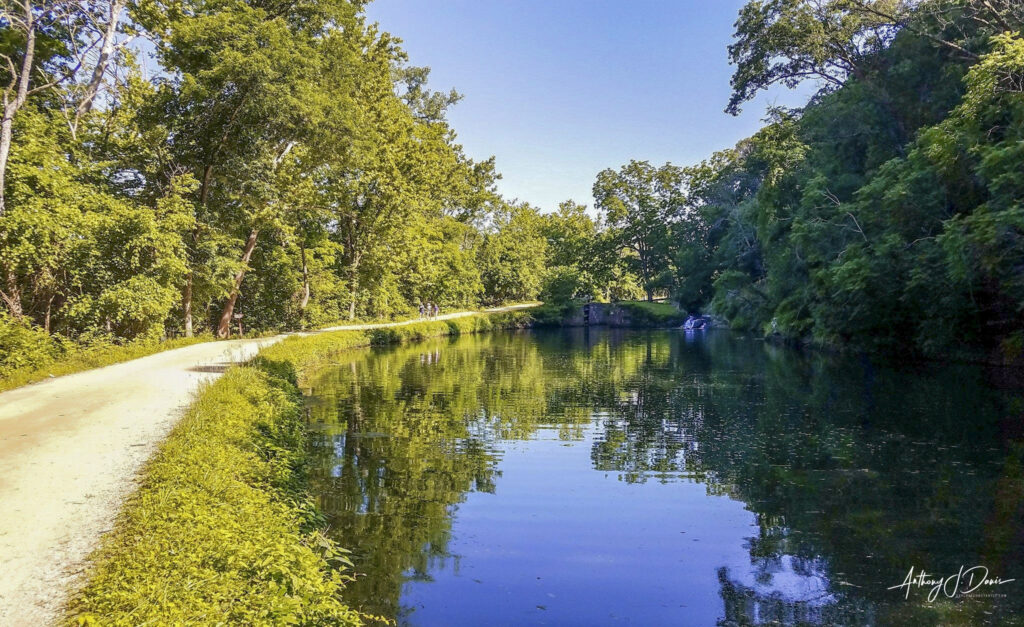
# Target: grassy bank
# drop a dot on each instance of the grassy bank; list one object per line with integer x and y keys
{"x": 47, "y": 358}
{"x": 222, "y": 529}
{"x": 28, "y": 355}
{"x": 649, "y": 313}
{"x": 307, "y": 351}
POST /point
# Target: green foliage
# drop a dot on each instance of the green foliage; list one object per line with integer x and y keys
{"x": 789, "y": 41}
{"x": 564, "y": 284}
{"x": 78, "y": 257}
{"x": 24, "y": 347}
{"x": 642, "y": 203}
{"x": 552, "y": 314}
{"x": 283, "y": 161}
{"x": 511, "y": 258}
{"x": 886, "y": 213}
{"x": 580, "y": 263}
{"x": 645, "y": 313}
{"x": 220, "y": 529}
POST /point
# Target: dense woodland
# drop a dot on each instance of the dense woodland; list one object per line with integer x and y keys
{"x": 887, "y": 213}
{"x": 166, "y": 164}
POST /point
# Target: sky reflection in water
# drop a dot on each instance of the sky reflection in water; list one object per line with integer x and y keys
{"x": 605, "y": 477}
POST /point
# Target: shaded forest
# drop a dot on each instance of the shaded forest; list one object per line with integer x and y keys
{"x": 886, "y": 213}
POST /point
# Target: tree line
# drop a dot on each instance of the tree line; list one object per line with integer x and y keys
{"x": 886, "y": 213}
{"x": 168, "y": 164}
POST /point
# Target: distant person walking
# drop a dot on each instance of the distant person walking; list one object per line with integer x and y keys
{"x": 421, "y": 311}
{"x": 437, "y": 310}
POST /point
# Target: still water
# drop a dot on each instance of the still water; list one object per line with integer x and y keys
{"x": 593, "y": 477}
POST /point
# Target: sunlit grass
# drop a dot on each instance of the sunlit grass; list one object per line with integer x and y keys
{"x": 87, "y": 358}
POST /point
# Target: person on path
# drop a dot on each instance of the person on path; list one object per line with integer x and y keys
{"x": 421, "y": 311}
{"x": 437, "y": 310}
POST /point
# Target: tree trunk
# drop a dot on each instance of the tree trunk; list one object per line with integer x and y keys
{"x": 46, "y": 320}
{"x": 186, "y": 304}
{"x": 204, "y": 189}
{"x": 354, "y": 286}
{"x": 12, "y": 295}
{"x": 106, "y": 52}
{"x": 224, "y": 325}
{"x": 305, "y": 280}
{"x": 11, "y": 107}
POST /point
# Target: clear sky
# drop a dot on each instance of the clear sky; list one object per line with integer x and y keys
{"x": 558, "y": 90}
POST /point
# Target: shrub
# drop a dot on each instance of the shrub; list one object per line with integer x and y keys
{"x": 24, "y": 346}
{"x": 552, "y": 314}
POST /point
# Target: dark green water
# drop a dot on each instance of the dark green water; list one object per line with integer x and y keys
{"x": 655, "y": 478}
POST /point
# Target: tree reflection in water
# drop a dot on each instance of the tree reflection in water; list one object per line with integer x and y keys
{"x": 853, "y": 471}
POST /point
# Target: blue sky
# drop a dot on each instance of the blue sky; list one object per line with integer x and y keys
{"x": 558, "y": 90}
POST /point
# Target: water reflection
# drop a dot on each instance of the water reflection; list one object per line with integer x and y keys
{"x": 591, "y": 477}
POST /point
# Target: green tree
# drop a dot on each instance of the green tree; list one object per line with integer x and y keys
{"x": 641, "y": 204}
{"x": 512, "y": 255}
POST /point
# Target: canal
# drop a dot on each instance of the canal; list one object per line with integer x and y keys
{"x": 591, "y": 477}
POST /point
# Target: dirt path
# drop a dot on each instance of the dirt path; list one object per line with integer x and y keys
{"x": 70, "y": 450}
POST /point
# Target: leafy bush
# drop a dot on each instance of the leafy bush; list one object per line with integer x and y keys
{"x": 25, "y": 347}
{"x": 552, "y": 314}
{"x": 565, "y": 284}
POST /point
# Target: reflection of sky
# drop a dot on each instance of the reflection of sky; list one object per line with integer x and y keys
{"x": 561, "y": 543}
{"x": 784, "y": 579}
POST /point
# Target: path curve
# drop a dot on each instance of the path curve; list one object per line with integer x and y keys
{"x": 70, "y": 452}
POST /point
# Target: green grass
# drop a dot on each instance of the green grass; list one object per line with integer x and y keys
{"x": 645, "y": 312}
{"x": 222, "y": 529}
{"x": 77, "y": 359}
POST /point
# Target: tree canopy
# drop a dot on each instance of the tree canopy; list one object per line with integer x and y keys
{"x": 285, "y": 163}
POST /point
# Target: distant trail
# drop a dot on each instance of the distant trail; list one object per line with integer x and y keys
{"x": 70, "y": 450}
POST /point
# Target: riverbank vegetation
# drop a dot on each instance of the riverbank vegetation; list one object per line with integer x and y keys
{"x": 167, "y": 167}
{"x": 222, "y": 528}
{"x": 886, "y": 213}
